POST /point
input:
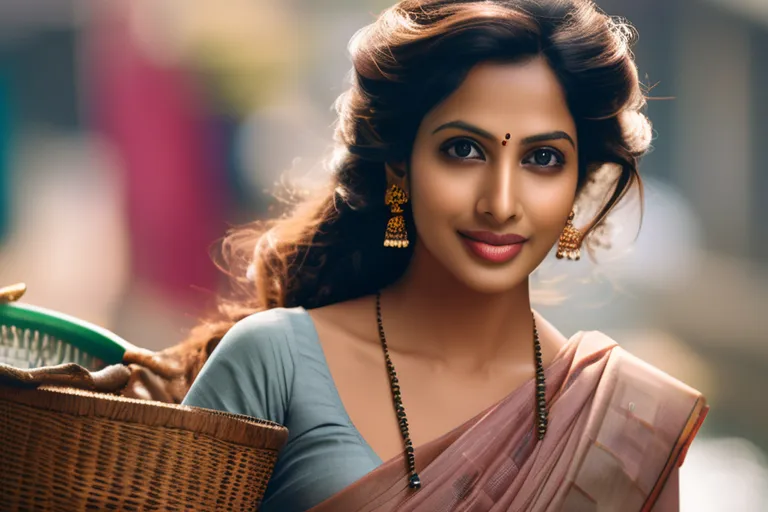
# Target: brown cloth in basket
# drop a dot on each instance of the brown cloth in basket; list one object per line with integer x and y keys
{"x": 163, "y": 376}
{"x": 111, "y": 379}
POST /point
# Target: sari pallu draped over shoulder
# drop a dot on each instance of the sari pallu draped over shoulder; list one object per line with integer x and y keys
{"x": 617, "y": 429}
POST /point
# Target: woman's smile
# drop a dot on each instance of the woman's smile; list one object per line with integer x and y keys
{"x": 493, "y": 247}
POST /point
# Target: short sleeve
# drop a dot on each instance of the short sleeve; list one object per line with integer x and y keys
{"x": 251, "y": 371}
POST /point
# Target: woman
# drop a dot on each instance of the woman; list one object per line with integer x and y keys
{"x": 393, "y": 333}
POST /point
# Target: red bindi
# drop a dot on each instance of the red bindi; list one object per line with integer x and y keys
{"x": 504, "y": 142}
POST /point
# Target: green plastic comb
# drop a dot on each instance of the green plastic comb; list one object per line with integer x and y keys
{"x": 32, "y": 337}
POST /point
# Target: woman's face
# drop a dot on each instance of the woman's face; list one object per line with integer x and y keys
{"x": 493, "y": 175}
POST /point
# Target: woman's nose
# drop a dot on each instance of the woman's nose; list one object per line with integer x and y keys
{"x": 499, "y": 197}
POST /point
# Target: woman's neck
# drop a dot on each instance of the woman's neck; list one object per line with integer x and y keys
{"x": 429, "y": 313}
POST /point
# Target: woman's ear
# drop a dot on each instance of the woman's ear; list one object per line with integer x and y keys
{"x": 397, "y": 175}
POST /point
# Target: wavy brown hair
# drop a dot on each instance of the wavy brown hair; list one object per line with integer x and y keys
{"x": 330, "y": 248}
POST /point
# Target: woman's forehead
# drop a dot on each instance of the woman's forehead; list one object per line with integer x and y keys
{"x": 507, "y": 97}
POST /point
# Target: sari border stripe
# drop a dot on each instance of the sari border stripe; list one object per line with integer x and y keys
{"x": 695, "y": 419}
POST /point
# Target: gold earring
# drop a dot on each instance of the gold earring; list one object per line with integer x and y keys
{"x": 396, "y": 235}
{"x": 569, "y": 245}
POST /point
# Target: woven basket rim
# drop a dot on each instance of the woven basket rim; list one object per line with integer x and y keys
{"x": 234, "y": 428}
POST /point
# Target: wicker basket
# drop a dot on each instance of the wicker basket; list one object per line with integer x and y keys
{"x": 67, "y": 449}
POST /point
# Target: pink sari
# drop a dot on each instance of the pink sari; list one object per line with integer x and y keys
{"x": 618, "y": 428}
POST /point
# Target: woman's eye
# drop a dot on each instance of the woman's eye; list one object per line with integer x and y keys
{"x": 545, "y": 157}
{"x": 463, "y": 149}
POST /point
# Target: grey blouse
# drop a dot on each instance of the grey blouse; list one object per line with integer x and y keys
{"x": 271, "y": 366}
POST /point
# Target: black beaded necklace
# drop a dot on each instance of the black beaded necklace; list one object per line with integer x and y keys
{"x": 541, "y": 402}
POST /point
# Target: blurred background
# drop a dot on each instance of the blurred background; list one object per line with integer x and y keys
{"x": 133, "y": 134}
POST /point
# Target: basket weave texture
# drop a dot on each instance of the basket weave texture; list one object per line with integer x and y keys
{"x": 69, "y": 449}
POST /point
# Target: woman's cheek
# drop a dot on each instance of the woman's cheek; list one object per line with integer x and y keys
{"x": 439, "y": 189}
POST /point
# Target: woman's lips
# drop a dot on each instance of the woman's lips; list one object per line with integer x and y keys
{"x": 491, "y": 246}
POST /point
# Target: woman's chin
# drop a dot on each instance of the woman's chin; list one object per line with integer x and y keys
{"x": 473, "y": 272}
{"x": 491, "y": 281}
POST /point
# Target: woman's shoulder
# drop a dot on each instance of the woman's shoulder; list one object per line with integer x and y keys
{"x": 268, "y": 323}
{"x": 641, "y": 420}
{"x": 252, "y": 369}
{"x": 627, "y": 363}
{"x": 269, "y": 332}
{"x": 646, "y": 393}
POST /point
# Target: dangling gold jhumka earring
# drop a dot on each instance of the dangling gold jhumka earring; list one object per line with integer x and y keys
{"x": 396, "y": 235}
{"x": 569, "y": 245}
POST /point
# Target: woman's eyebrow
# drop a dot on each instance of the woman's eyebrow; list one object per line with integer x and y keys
{"x": 462, "y": 125}
{"x": 541, "y": 137}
